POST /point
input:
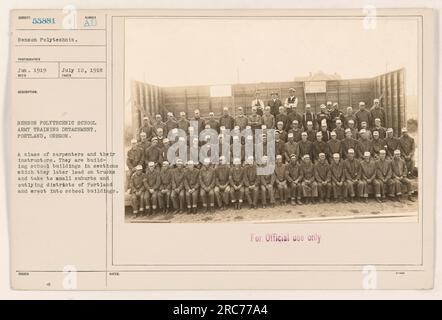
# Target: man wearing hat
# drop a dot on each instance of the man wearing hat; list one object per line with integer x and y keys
{"x": 291, "y": 147}
{"x": 144, "y": 143}
{"x": 212, "y": 122}
{"x": 365, "y": 144}
{"x": 294, "y": 179}
{"x": 183, "y": 123}
{"x": 281, "y": 180}
{"x": 236, "y": 179}
{"x": 274, "y": 103}
{"x": 241, "y": 119}
{"x": 267, "y": 183}
{"x": 171, "y": 123}
{"x": 291, "y": 101}
{"x": 391, "y": 143}
{"x": 349, "y": 115}
{"x": 268, "y": 119}
{"x": 383, "y": 175}
{"x": 294, "y": 115}
{"x": 377, "y": 144}
{"x": 377, "y": 112}
{"x": 305, "y": 146}
{"x": 158, "y": 124}
{"x": 283, "y": 117}
{"x": 323, "y": 178}
{"x": 399, "y": 176}
{"x": 191, "y": 185}
{"x": 311, "y": 133}
{"x": 296, "y": 131}
{"x": 258, "y": 103}
{"x": 207, "y": 185}
{"x": 322, "y": 115}
{"x": 325, "y": 133}
{"x": 178, "y": 191}
{"x": 308, "y": 116}
{"x": 251, "y": 182}
{"x": 368, "y": 178}
{"x": 152, "y": 182}
{"x": 226, "y": 119}
{"x": 135, "y": 156}
{"x": 199, "y": 121}
{"x": 164, "y": 200}
{"x": 255, "y": 120}
{"x": 354, "y": 131}
{"x": 352, "y": 169}
{"x": 335, "y": 115}
{"x": 334, "y": 146}
{"x": 349, "y": 143}
{"x": 136, "y": 187}
{"x": 340, "y": 131}
{"x": 377, "y": 127}
{"x": 309, "y": 185}
{"x": 337, "y": 173}
{"x": 153, "y": 153}
{"x": 319, "y": 146}
{"x": 280, "y": 130}
{"x": 164, "y": 148}
{"x": 363, "y": 115}
{"x": 364, "y": 126}
{"x": 147, "y": 128}
{"x": 407, "y": 147}
{"x": 222, "y": 183}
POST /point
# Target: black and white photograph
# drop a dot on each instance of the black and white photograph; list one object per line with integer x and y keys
{"x": 255, "y": 120}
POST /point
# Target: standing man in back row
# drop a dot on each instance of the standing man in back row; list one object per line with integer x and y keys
{"x": 258, "y": 103}
{"x": 274, "y": 103}
{"x": 292, "y": 101}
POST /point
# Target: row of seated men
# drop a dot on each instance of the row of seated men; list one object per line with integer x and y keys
{"x": 295, "y": 141}
{"x": 283, "y": 120}
{"x": 182, "y": 186}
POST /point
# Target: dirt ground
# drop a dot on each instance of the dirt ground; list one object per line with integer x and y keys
{"x": 404, "y": 210}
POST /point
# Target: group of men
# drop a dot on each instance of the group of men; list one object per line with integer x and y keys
{"x": 319, "y": 157}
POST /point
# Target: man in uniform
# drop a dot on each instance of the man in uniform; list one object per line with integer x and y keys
{"x": 335, "y": 115}
{"x": 334, "y": 146}
{"x": 165, "y": 187}
{"x": 322, "y": 115}
{"x": 311, "y": 133}
{"x": 377, "y": 127}
{"x": 178, "y": 192}
{"x": 251, "y": 182}
{"x": 136, "y": 187}
{"x": 207, "y": 185}
{"x": 268, "y": 119}
{"x": 226, "y": 119}
{"x": 255, "y": 120}
{"x": 353, "y": 182}
{"x": 377, "y": 113}
{"x": 283, "y": 117}
{"x": 191, "y": 184}
{"x": 309, "y": 185}
{"x": 147, "y": 128}
{"x": 323, "y": 178}
{"x": 171, "y": 123}
{"x": 291, "y": 147}
{"x": 152, "y": 184}
{"x": 236, "y": 179}
{"x": 296, "y": 131}
{"x": 319, "y": 146}
{"x": 392, "y": 143}
{"x": 280, "y": 179}
{"x": 222, "y": 188}
{"x": 349, "y": 115}
{"x": 377, "y": 144}
{"x": 407, "y": 147}
{"x": 354, "y": 131}
{"x": 200, "y": 121}
{"x": 294, "y": 115}
{"x": 349, "y": 143}
{"x": 183, "y": 123}
{"x": 399, "y": 176}
{"x": 279, "y": 146}
{"x": 305, "y": 146}
{"x": 383, "y": 175}
{"x": 144, "y": 143}
{"x": 368, "y": 177}
{"x": 280, "y": 129}
{"x": 241, "y": 119}
{"x": 365, "y": 144}
{"x": 153, "y": 153}
{"x": 340, "y": 131}
{"x": 294, "y": 179}
{"x": 337, "y": 173}
{"x": 135, "y": 156}
{"x": 212, "y": 122}
{"x": 364, "y": 126}
{"x": 274, "y": 103}
{"x": 308, "y": 116}
{"x": 267, "y": 182}
{"x": 362, "y": 115}
{"x": 325, "y": 133}
{"x": 158, "y": 124}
